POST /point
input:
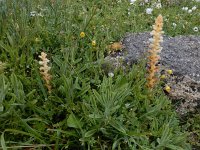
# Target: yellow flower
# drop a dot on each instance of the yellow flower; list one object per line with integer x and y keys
{"x": 169, "y": 72}
{"x": 37, "y": 40}
{"x": 82, "y": 34}
{"x": 94, "y": 43}
{"x": 167, "y": 88}
{"x": 163, "y": 76}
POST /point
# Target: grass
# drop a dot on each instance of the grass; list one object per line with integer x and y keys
{"x": 86, "y": 108}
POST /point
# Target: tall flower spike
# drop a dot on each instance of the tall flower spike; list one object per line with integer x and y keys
{"x": 44, "y": 70}
{"x": 154, "y": 52}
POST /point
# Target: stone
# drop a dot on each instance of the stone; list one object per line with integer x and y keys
{"x": 180, "y": 54}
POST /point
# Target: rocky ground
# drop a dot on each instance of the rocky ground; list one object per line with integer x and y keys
{"x": 181, "y": 54}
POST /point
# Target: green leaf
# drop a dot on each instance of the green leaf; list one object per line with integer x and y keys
{"x": 173, "y": 147}
{"x": 73, "y": 122}
{"x": 5, "y": 47}
{"x": 18, "y": 89}
{"x": 65, "y": 133}
{"x": 1, "y": 107}
{"x": 95, "y": 116}
{"x": 57, "y": 61}
{"x": 31, "y": 130}
{"x": 117, "y": 125}
{"x": 98, "y": 97}
{"x": 26, "y": 133}
{"x": 165, "y": 138}
{"x": 3, "y": 144}
{"x": 115, "y": 144}
{"x": 90, "y": 133}
{"x": 10, "y": 40}
{"x": 3, "y": 91}
{"x": 31, "y": 93}
{"x": 84, "y": 90}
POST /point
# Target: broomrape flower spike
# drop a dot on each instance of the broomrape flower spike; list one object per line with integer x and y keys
{"x": 44, "y": 70}
{"x": 154, "y": 51}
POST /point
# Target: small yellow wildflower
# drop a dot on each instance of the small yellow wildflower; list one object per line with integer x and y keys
{"x": 37, "y": 40}
{"x": 82, "y": 34}
{"x": 163, "y": 76}
{"x": 167, "y": 88}
{"x": 94, "y": 43}
{"x": 169, "y": 72}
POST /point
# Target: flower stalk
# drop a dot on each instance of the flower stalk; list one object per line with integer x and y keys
{"x": 44, "y": 70}
{"x": 154, "y": 52}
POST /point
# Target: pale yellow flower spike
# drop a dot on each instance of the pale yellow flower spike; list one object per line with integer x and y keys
{"x": 154, "y": 51}
{"x": 44, "y": 70}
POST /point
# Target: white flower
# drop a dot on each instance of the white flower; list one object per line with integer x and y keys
{"x": 195, "y": 29}
{"x": 158, "y": 5}
{"x": 185, "y": 8}
{"x": 194, "y": 7}
{"x": 141, "y": 4}
{"x": 132, "y": 1}
{"x": 127, "y": 105}
{"x": 40, "y": 14}
{"x": 149, "y": 11}
{"x": 190, "y": 11}
{"x": 146, "y": 1}
{"x": 110, "y": 74}
{"x": 174, "y": 25}
{"x": 33, "y": 13}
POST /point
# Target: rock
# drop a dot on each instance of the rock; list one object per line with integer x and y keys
{"x": 180, "y": 54}
{"x": 185, "y": 92}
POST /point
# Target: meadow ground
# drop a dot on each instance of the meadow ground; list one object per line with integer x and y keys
{"x": 61, "y": 99}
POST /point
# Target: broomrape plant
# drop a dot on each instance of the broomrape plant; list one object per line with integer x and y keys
{"x": 89, "y": 107}
{"x": 44, "y": 70}
{"x": 154, "y": 51}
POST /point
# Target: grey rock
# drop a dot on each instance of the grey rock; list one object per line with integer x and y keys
{"x": 181, "y": 53}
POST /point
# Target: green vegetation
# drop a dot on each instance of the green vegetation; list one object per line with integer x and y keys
{"x": 86, "y": 109}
